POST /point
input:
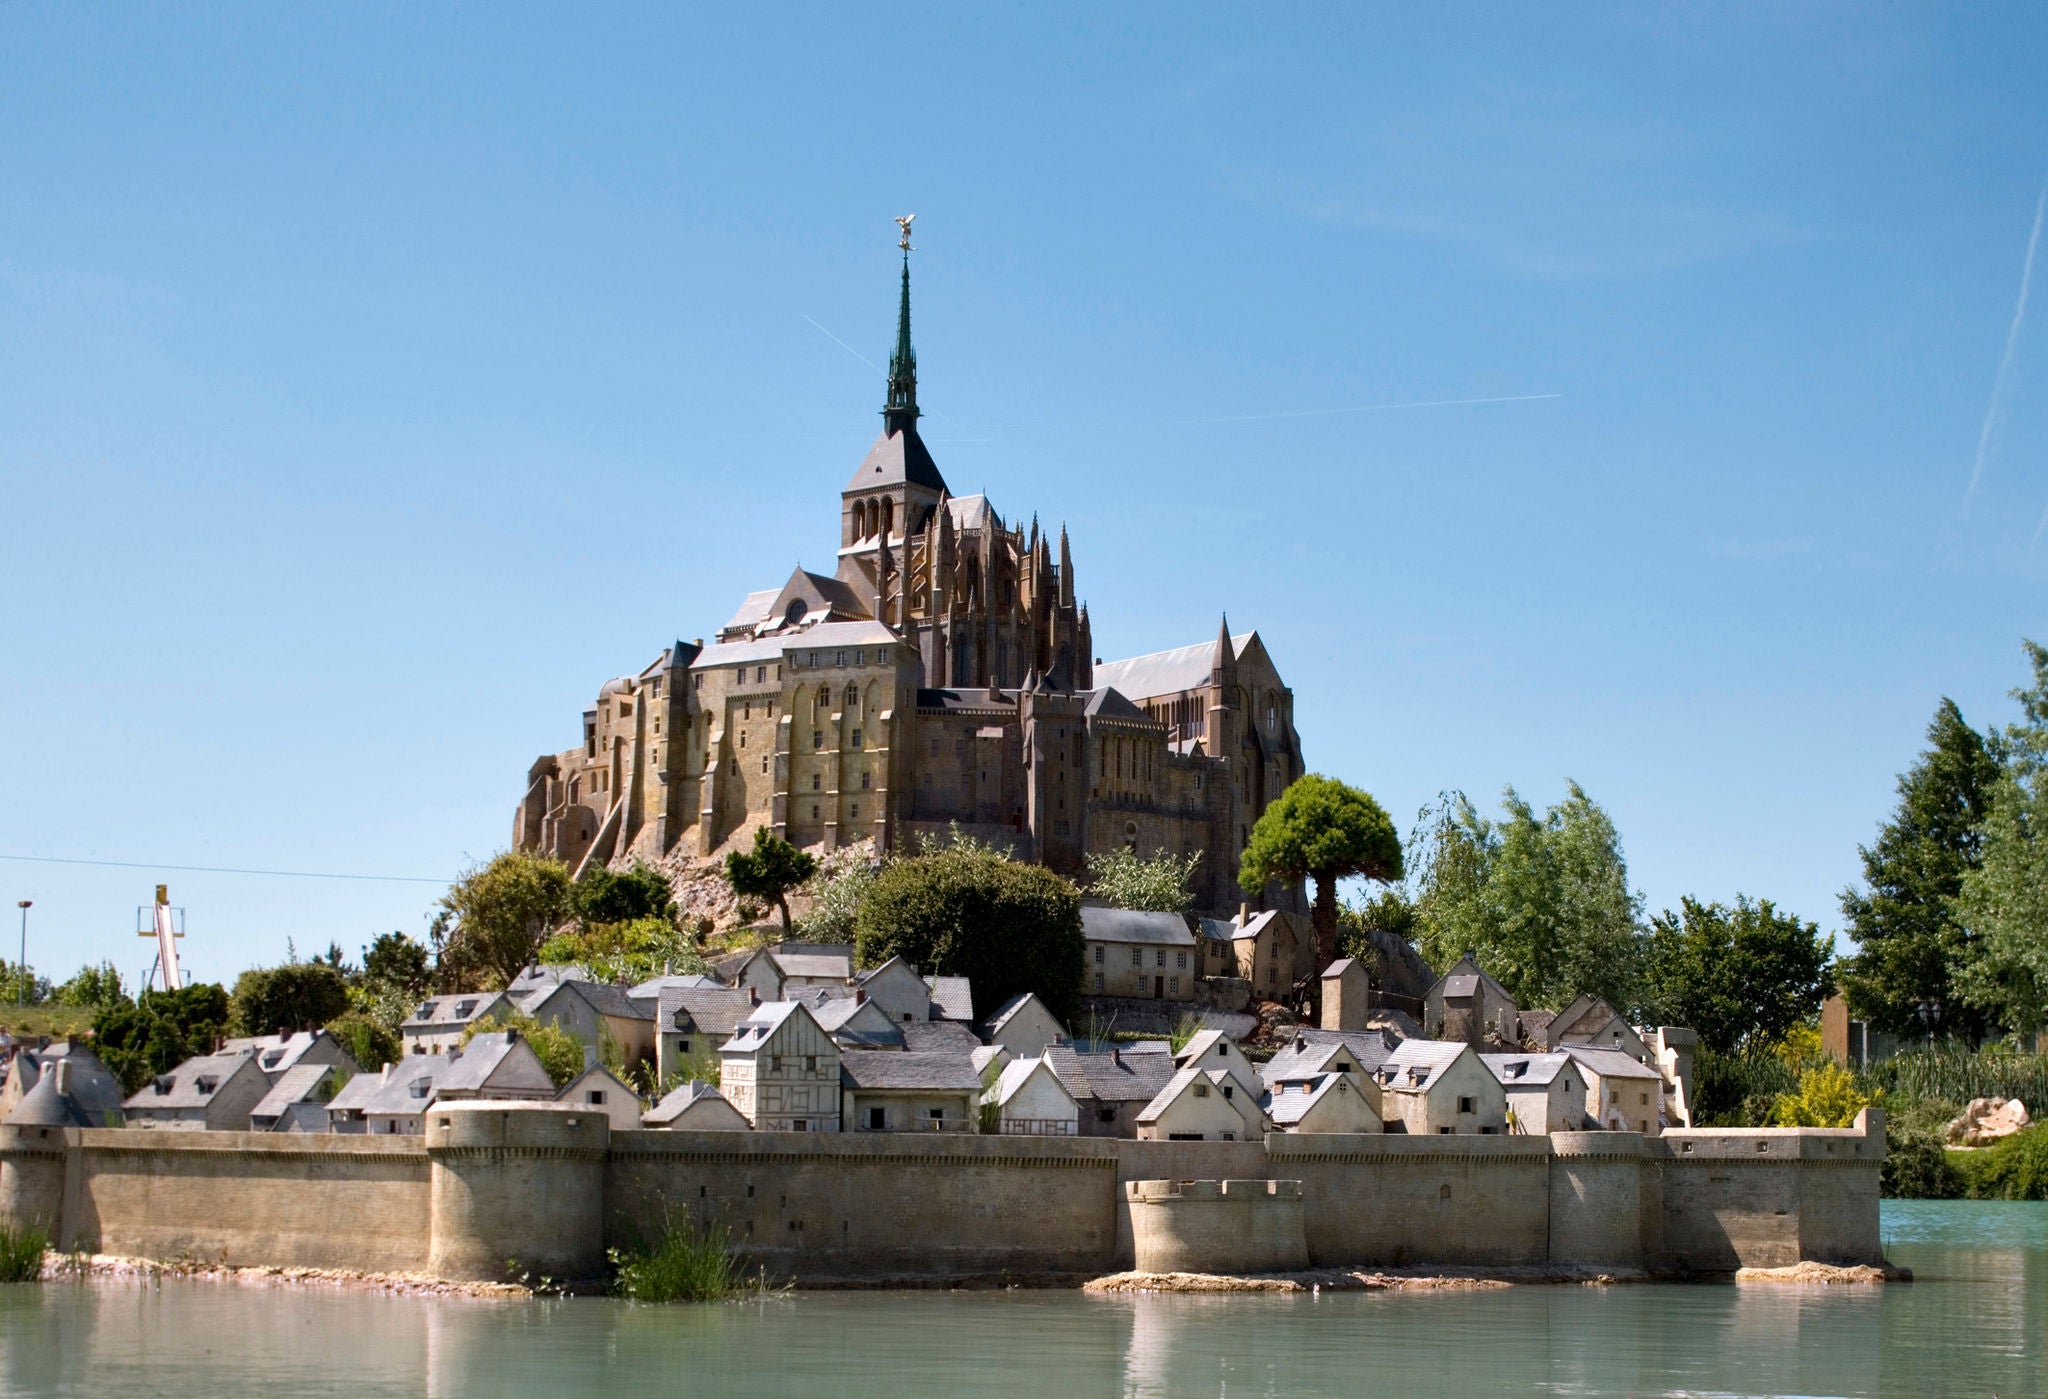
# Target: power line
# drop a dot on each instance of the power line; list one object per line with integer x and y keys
{"x": 218, "y": 869}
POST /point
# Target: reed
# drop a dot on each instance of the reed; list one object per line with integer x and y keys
{"x": 21, "y": 1252}
{"x": 683, "y": 1264}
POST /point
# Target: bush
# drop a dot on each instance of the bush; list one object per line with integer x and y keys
{"x": 368, "y": 1040}
{"x": 683, "y": 1265}
{"x": 1008, "y": 926}
{"x": 1953, "y": 1074}
{"x": 2014, "y": 1169}
{"x": 1162, "y": 884}
{"x": 94, "y": 987}
{"x": 1739, "y": 1089}
{"x": 606, "y": 896}
{"x": 297, "y": 996}
{"x": 628, "y": 952}
{"x": 1916, "y": 1167}
{"x": 21, "y": 1252}
{"x": 560, "y": 1051}
{"x": 159, "y": 1032}
{"x": 1827, "y": 1097}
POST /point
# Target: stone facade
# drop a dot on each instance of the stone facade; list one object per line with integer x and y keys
{"x": 941, "y": 673}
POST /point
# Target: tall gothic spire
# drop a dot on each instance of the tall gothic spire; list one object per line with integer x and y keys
{"x": 901, "y": 412}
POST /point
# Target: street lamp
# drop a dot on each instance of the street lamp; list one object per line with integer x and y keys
{"x": 21, "y": 971}
{"x": 1930, "y": 1016}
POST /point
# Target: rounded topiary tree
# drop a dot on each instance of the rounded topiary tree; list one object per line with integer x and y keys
{"x": 1324, "y": 830}
{"x": 1009, "y": 927}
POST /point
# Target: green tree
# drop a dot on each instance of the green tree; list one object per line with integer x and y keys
{"x": 93, "y": 986}
{"x": 769, "y": 871}
{"x": 560, "y": 1051}
{"x": 1009, "y": 926}
{"x": 1543, "y": 902}
{"x": 369, "y": 1041}
{"x": 1162, "y": 884}
{"x": 624, "y": 952}
{"x": 398, "y": 962}
{"x": 842, "y": 881}
{"x": 1742, "y": 977}
{"x": 496, "y": 918}
{"x": 1907, "y": 934}
{"x": 159, "y": 1031}
{"x": 19, "y": 985}
{"x": 625, "y": 896}
{"x": 1827, "y": 1097}
{"x": 296, "y": 996}
{"x": 1323, "y": 830}
{"x": 2003, "y": 904}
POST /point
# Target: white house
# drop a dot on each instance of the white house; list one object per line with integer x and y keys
{"x": 439, "y": 1023}
{"x": 601, "y": 1090}
{"x": 1325, "y": 1102}
{"x": 1622, "y": 1095}
{"x": 781, "y": 1070}
{"x": 1202, "y": 1105}
{"x": 1435, "y": 1087}
{"x": 695, "y": 1106}
{"x": 1028, "y": 1100}
{"x": 211, "y": 1092}
{"x": 898, "y": 990}
{"x": 894, "y": 1091}
{"x": 1130, "y": 953}
{"x": 1025, "y": 1027}
{"x": 1212, "y": 1049}
{"x": 1545, "y": 1092}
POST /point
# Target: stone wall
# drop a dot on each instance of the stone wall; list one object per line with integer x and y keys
{"x": 551, "y": 1187}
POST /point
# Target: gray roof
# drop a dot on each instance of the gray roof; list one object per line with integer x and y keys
{"x": 941, "y": 1070}
{"x": 1134, "y": 925}
{"x": 763, "y": 1021}
{"x": 930, "y": 1035}
{"x": 1415, "y": 1064}
{"x": 970, "y": 511}
{"x": 836, "y": 965}
{"x": 1525, "y": 1070}
{"x": 895, "y": 459}
{"x": 275, "y": 1054}
{"x": 1609, "y": 1063}
{"x": 44, "y": 1106}
{"x": 708, "y": 1010}
{"x": 1310, "y": 1050}
{"x": 753, "y": 609}
{"x": 602, "y": 997}
{"x": 1106, "y": 702}
{"x": 596, "y": 1071}
{"x": 772, "y": 648}
{"x": 1166, "y": 672}
{"x": 298, "y": 1084}
{"x": 1287, "y": 1109}
{"x": 481, "y": 1058}
{"x": 681, "y": 981}
{"x": 1461, "y": 986}
{"x": 1113, "y": 1077}
{"x": 680, "y": 1098}
{"x": 1016, "y": 1074}
{"x": 1011, "y": 1007}
{"x": 1339, "y": 967}
{"x": 88, "y": 1083}
{"x": 180, "y": 1088}
{"x": 952, "y": 997}
{"x": 395, "y": 1096}
{"x": 450, "y": 1012}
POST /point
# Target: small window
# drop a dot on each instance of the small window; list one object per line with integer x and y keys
{"x": 595, "y": 1097}
{"x": 936, "y": 1114}
{"x": 1468, "y": 1105}
{"x": 764, "y": 762}
{"x": 810, "y": 1063}
{"x": 1159, "y": 958}
{"x": 802, "y": 1124}
{"x": 1173, "y": 987}
{"x": 775, "y": 1063}
{"x": 1181, "y": 960}
{"x": 817, "y": 738}
{"x": 1201, "y": 1090}
{"x": 864, "y": 781}
{"x": 1098, "y": 954}
{"x": 817, "y": 781}
{"x": 1098, "y": 983}
{"x": 841, "y": 659}
{"x": 856, "y": 738}
{"x": 1137, "y": 956}
{"x": 878, "y": 1118}
{"x": 760, "y": 674}
{"x": 682, "y": 1046}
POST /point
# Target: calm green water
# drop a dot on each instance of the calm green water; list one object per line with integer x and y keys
{"x": 1976, "y": 1323}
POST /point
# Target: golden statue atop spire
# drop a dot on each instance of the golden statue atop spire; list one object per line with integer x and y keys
{"x": 904, "y": 224}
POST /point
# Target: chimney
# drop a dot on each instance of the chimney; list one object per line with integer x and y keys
{"x": 753, "y": 997}
{"x": 1116, "y": 1056}
{"x": 1301, "y": 1042}
{"x": 64, "y": 1078}
{"x": 385, "y": 1075}
{"x": 1244, "y": 914}
{"x": 860, "y": 997}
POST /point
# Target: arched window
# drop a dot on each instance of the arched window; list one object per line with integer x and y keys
{"x": 888, "y": 516}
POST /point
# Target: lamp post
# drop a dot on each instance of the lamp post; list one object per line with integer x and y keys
{"x": 21, "y": 971}
{"x": 1930, "y": 1016}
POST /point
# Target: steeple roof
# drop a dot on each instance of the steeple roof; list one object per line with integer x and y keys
{"x": 901, "y": 410}
{"x": 899, "y": 456}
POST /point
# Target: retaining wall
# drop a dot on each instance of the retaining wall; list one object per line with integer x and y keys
{"x": 552, "y": 1187}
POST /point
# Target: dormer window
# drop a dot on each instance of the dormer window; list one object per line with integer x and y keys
{"x": 464, "y": 1009}
{"x": 206, "y": 1083}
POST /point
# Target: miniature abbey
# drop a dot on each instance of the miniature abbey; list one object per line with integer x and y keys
{"x": 942, "y": 673}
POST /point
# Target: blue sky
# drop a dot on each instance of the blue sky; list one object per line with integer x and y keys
{"x": 375, "y": 381}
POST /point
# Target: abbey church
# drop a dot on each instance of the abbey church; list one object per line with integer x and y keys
{"x": 942, "y": 672}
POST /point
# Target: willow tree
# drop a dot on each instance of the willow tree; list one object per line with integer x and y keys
{"x": 1324, "y": 830}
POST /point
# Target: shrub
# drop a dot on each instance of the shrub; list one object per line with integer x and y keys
{"x": 683, "y": 1265}
{"x": 296, "y": 996}
{"x": 159, "y": 1032}
{"x": 1917, "y": 1167}
{"x": 1162, "y": 884}
{"x": 2014, "y": 1169}
{"x": 607, "y": 896}
{"x": 1739, "y": 1089}
{"x": 560, "y": 1051}
{"x": 368, "y": 1040}
{"x": 1008, "y": 926}
{"x": 1827, "y": 1097}
{"x": 93, "y": 986}
{"x": 624, "y": 952}
{"x": 21, "y": 1252}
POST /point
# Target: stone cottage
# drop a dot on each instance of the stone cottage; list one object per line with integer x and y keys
{"x": 1434, "y": 1087}
{"x": 1150, "y": 956}
{"x": 780, "y": 1069}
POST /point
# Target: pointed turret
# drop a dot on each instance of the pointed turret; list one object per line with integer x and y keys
{"x": 1066, "y": 571}
{"x": 1223, "y": 669}
{"x": 901, "y": 412}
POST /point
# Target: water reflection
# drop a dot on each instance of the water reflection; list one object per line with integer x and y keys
{"x": 1975, "y": 1326}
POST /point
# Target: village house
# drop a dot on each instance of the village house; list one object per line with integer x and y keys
{"x": 1325, "y": 1103}
{"x": 537, "y": 979}
{"x": 1028, "y": 1100}
{"x": 87, "y": 1085}
{"x": 1347, "y": 995}
{"x": 601, "y": 1090}
{"x": 1111, "y": 1089}
{"x": 1150, "y": 956}
{"x": 774, "y": 972}
{"x": 1467, "y": 1005}
{"x": 1202, "y": 1105}
{"x": 693, "y": 1022}
{"x": 1264, "y": 948}
{"x": 1212, "y": 1049}
{"x": 1589, "y": 1020}
{"x": 298, "y": 1097}
{"x": 854, "y": 1021}
{"x": 1622, "y": 1093}
{"x": 211, "y": 1092}
{"x": 952, "y": 998}
{"x": 651, "y": 989}
{"x": 1545, "y": 1092}
{"x": 1024, "y": 1026}
{"x": 781, "y": 1070}
{"x": 597, "y": 1014}
{"x": 275, "y": 1054}
{"x": 889, "y": 1091}
{"x": 1312, "y": 1053}
{"x": 989, "y": 1062}
{"x": 896, "y": 987}
{"x": 939, "y": 1036}
{"x": 499, "y": 1065}
{"x": 1435, "y": 1087}
{"x": 439, "y": 1023}
{"x": 695, "y": 1106}
{"x": 393, "y": 1102}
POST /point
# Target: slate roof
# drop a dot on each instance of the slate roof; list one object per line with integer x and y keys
{"x": 1288, "y": 1108}
{"x": 895, "y": 459}
{"x": 394, "y": 1097}
{"x": 952, "y": 997}
{"x": 1415, "y": 1064}
{"x": 966, "y": 700}
{"x": 180, "y": 1087}
{"x": 1461, "y": 986}
{"x": 297, "y": 1084}
{"x": 89, "y": 1084}
{"x": 276, "y": 1053}
{"x": 479, "y": 1059}
{"x": 1016, "y": 1074}
{"x": 1609, "y": 1063}
{"x": 942, "y": 1071}
{"x": 651, "y": 989}
{"x": 683, "y": 1096}
{"x": 1536, "y": 1026}
{"x": 836, "y": 965}
{"x": 603, "y": 997}
{"x": 1166, "y": 672}
{"x": 1227, "y": 930}
{"x": 771, "y": 648}
{"x": 1338, "y": 967}
{"x": 970, "y": 511}
{"x": 707, "y": 1010}
{"x": 753, "y": 609}
{"x": 1106, "y": 702}
{"x": 761, "y": 1023}
{"x": 1009, "y": 1008}
{"x": 1182, "y": 1079}
{"x": 1526, "y": 1070}
{"x": 446, "y": 1012}
{"x": 1111, "y": 1078}
{"x": 927, "y": 1036}
{"x": 44, "y": 1106}
{"x": 1132, "y": 925}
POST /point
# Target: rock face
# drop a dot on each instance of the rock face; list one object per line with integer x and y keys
{"x": 1987, "y": 1120}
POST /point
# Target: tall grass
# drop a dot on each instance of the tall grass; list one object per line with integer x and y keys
{"x": 1952, "y": 1074}
{"x": 21, "y": 1252}
{"x": 683, "y": 1264}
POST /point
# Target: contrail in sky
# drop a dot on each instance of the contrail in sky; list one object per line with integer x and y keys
{"x": 1995, "y": 414}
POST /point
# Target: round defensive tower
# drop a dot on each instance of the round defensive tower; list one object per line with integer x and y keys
{"x": 32, "y": 1176}
{"x": 515, "y": 1188}
{"x": 1596, "y": 1199}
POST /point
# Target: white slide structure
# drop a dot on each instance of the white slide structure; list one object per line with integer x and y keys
{"x": 166, "y": 934}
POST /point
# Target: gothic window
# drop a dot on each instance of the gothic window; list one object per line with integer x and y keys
{"x": 888, "y": 515}
{"x": 824, "y": 699}
{"x": 817, "y": 738}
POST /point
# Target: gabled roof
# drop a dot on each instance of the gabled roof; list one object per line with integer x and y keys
{"x": 680, "y": 1099}
{"x": 180, "y": 1088}
{"x": 277, "y": 1053}
{"x": 897, "y": 458}
{"x": 1133, "y": 925}
{"x": 481, "y": 1059}
{"x": 1166, "y": 672}
{"x": 1230, "y": 930}
{"x": 1019, "y": 1072}
{"x": 1107, "y": 703}
{"x": 1417, "y": 1064}
{"x": 1185, "y": 1079}
{"x": 971, "y": 511}
{"x": 452, "y": 1012}
{"x": 1466, "y": 977}
{"x": 1609, "y": 1063}
{"x": 1111, "y": 1078}
{"x": 1290, "y": 1107}
{"x": 301, "y": 1083}
{"x": 601, "y": 997}
{"x": 707, "y": 1010}
{"x": 1011, "y": 1007}
{"x": 952, "y": 997}
{"x": 651, "y": 989}
{"x": 760, "y": 1026}
{"x": 1526, "y": 1070}
{"x": 929, "y": 1035}
{"x": 874, "y": 1069}
{"x": 597, "y": 1075}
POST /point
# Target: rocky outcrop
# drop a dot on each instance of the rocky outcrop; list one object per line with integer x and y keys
{"x": 1987, "y": 1120}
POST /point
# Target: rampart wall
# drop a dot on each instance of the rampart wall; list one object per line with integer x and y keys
{"x": 552, "y": 1188}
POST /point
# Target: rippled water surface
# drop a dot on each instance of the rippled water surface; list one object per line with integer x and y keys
{"x": 1976, "y": 1323}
